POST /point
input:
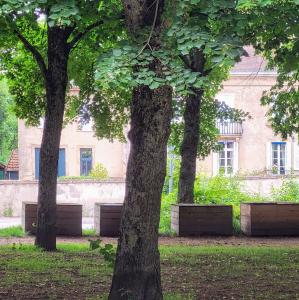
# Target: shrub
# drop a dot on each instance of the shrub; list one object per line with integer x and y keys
{"x": 219, "y": 189}
{"x": 288, "y": 191}
{"x": 99, "y": 172}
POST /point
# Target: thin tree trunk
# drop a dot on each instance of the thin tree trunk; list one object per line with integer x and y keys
{"x": 189, "y": 148}
{"x": 137, "y": 268}
{"x": 191, "y": 135}
{"x": 56, "y": 83}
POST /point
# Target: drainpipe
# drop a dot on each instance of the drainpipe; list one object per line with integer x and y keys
{"x": 292, "y": 155}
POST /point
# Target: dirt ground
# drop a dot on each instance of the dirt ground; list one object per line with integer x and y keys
{"x": 196, "y": 241}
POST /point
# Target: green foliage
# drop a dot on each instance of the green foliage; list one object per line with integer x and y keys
{"x": 106, "y": 250}
{"x": 219, "y": 189}
{"x": 13, "y": 231}
{"x": 273, "y": 29}
{"x": 99, "y": 172}
{"x": 91, "y": 23}
{"x": 8, "y": 212}
{"x": 288, "y": 191}
{"x": 8, "y": 124}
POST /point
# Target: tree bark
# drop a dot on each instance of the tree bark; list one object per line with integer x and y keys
{"x": 56, "y": 84}
{"x": 189, "y": 148}
{"x": 137, "y": 268}
{"x": 191, "y": 135}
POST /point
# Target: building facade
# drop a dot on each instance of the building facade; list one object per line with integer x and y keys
{"x": 249, "y": 148}
{"x": 79, "y": 152}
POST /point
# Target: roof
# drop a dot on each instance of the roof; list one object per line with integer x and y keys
{"x": 251, "y": 63}
{"x": 13, "y": 163}
{"x": 2, "y": 166}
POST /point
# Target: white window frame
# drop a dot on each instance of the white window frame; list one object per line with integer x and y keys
{"x": 233, "y": 158}
{"x": 279, "y": 167}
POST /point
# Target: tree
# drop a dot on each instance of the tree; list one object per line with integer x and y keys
{"x": 137, "y": 268}
{"x": 280, "y": 47}
{"x": 50, "y": 31}
{"x": 8, "y": 124}
{"x": 209, "y": 49}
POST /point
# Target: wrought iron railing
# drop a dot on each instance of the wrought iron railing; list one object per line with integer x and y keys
{"x": 230, "y": 128}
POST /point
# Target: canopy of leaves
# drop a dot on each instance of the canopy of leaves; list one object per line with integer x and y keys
{"x": 8, "y": 124}
{"x": 95, "y": 26}
{"x": 212, "y": 27}
{"x": 273, "y": 29}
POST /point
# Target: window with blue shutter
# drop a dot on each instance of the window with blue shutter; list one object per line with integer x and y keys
{"x": 61, "y": 163}
{"x": 85, "y": 161}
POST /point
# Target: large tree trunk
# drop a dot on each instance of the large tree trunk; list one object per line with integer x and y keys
{"x": 189, "y": 148}
{"x": 56, "y": 83}
{"x": 191, "y": 134}
{"x": 137, "y": 268}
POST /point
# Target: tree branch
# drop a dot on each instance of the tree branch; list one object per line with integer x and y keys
{"x": 80, "y": 35}
{"x": 36, "y": 54}
{"x": 186, "y": 61}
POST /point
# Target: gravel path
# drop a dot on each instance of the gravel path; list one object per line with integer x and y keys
{"x": 198, "y": 241}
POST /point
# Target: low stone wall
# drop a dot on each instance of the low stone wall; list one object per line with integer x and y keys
{"x": 263, "y": 185}
{"x": 87, "y": 193}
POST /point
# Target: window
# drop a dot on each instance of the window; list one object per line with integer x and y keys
{"x": 226, "y": 158}
{"x": 279, "y": 158}
{"x": 85, "y": 161}
{"x": 12, "y": 175}
{"x": 61, "y": 163}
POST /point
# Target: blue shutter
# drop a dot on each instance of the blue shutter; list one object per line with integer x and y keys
{"x": 61, "y": 163}
{"x": 37, "y": 162}
{"x": 85, "y": 161}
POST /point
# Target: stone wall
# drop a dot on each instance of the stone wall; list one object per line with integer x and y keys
{"x": 87, "y": 193}
{"x": 263, "y": 185}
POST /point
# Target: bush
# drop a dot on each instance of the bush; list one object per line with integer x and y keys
{"x": 288, "y": 191}
{"x": 211, "y": 190}
{"x": 99, "y": 172}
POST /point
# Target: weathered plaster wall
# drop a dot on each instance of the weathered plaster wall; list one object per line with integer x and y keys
{"x": 246, "y": 91}
{"x": 12, "y": 194}
{"x": 113, "y": 155}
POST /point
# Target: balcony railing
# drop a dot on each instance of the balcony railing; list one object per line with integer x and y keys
{"x": 230, "y": 128}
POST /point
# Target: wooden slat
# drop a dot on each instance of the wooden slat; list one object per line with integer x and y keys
{"x": 107, "y": 219}
{"x": 68, "y": 218}
{"x": 273, "y": 219}
{"x": 201, "y": 220}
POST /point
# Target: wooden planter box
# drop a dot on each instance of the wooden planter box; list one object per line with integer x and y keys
{"x": 196, "y": 220}
{"x": 107, "y": 218}
{"x": 68, "y": 218}
{"x": 270, "y": 219}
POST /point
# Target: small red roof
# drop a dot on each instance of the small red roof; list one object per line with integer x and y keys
{"x": 13, "y": 163}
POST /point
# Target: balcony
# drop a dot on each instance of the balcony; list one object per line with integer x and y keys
{"x": 228, "y": 128}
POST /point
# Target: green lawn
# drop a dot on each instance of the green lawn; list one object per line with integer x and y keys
{"x": 13, "y": 231}
{"x": 209, "y": 272}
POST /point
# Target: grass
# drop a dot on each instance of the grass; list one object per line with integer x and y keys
{"x": 13, "y": 231}
{"x": 188, "y": 272}
{"x": 89, "y": 232}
